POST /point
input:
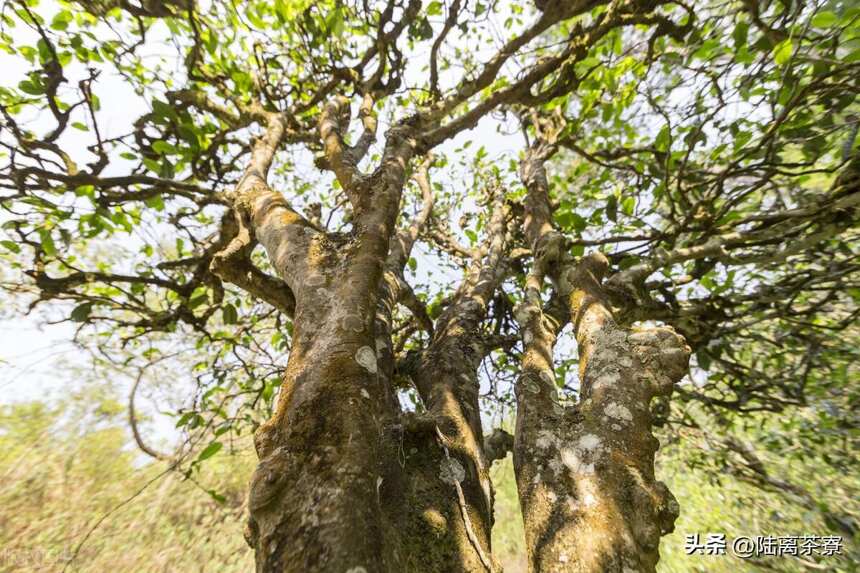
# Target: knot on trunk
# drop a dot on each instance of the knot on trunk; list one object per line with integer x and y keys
{"x": 592, "y": 266}
{"x": 668, "y": 509}
{"x": 267, "y": 484}
{"x": 665, "y": 356}
{"x": 651, "y": 512}
{"x": 497, "y": 445}
{"x": 549, "y": 248}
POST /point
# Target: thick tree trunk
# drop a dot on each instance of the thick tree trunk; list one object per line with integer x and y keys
{"x": 343, "y": 481}
{"x": 346, "y": 482}
{"x": 451, "y": 466}
{"x": 585, "y": 474}
{"x": 586, "y": 479}
{"x": 455, "y": 464}
{"x": 314, "y": 498}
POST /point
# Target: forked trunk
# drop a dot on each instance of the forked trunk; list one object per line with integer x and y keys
{"x": 314, "y": 501}
{"x": 585, "y": 474}
{"x": 346, "y": 481}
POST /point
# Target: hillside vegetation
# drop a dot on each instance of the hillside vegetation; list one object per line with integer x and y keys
{"x": 69, "y": 474}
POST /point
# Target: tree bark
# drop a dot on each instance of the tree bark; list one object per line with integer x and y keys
{"x": 585, "y": 474}
{"x": 446, "y": 376}
{"x": 346, "y": 481}
{"x": 586, "y": 479}
{"x": 315, "y": 500}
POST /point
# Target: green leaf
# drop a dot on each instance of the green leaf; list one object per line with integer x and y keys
{"x": 664, "y": 139}
{"x": 628, "y": 205}
{"x": 156, "y": 202}
{"x": 61, "y": 20}
{"x": 420, "y": 29}
{"x": 210, "y": 451}
{"x": 740, "y": 33}
{"x": 11, "y": 246}
{"x": 199, "y": 296}
{"x": 31, "y": 88}
{"x": 824, "y": 19}
{"x": 163, "y": 148}
{"x": 611, "y": 208}
{"x": 782, "y": 51}
{"x": 82, "y": 312}
{"x": 229, "y": 314}
{"x": 47, "y": 242}
{"x": 703, "y": 359}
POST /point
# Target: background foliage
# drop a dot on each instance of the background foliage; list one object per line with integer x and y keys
{"x": 67, "y": 465}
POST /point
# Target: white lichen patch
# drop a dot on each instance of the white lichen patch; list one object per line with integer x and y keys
{"x": 606, "y": 380}
{"x": 587, "y": 493}
{"x": 616, "y": 337}
{"x": 607, "y": 356}
{"x": 644, "y": 337}
{"x": 589, "y": 442}
{"x": 580, "y": 460}
{"x": 381, "y": 344}
{"x": 572, "y": 460}
{"x": 366, "y": 358}
{"x": 451, "y": 471}
{"x": 619, "y": 412}
{"x": 545, "y": 439}
{"x": 365, "y": 394}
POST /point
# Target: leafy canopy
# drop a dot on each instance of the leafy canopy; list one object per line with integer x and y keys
{"x": 709, "y": 151}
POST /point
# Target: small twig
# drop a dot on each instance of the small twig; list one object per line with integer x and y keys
{"x": 470, "y": 532}
{"x": 132, "y": 420}
{"x": 114, "y": 510}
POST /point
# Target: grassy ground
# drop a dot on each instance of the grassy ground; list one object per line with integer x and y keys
{"x": 60, "y": 475}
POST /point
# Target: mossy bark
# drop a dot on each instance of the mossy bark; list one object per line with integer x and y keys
{"x": 345, "y": 481}
{"x": 585, "y": 474}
